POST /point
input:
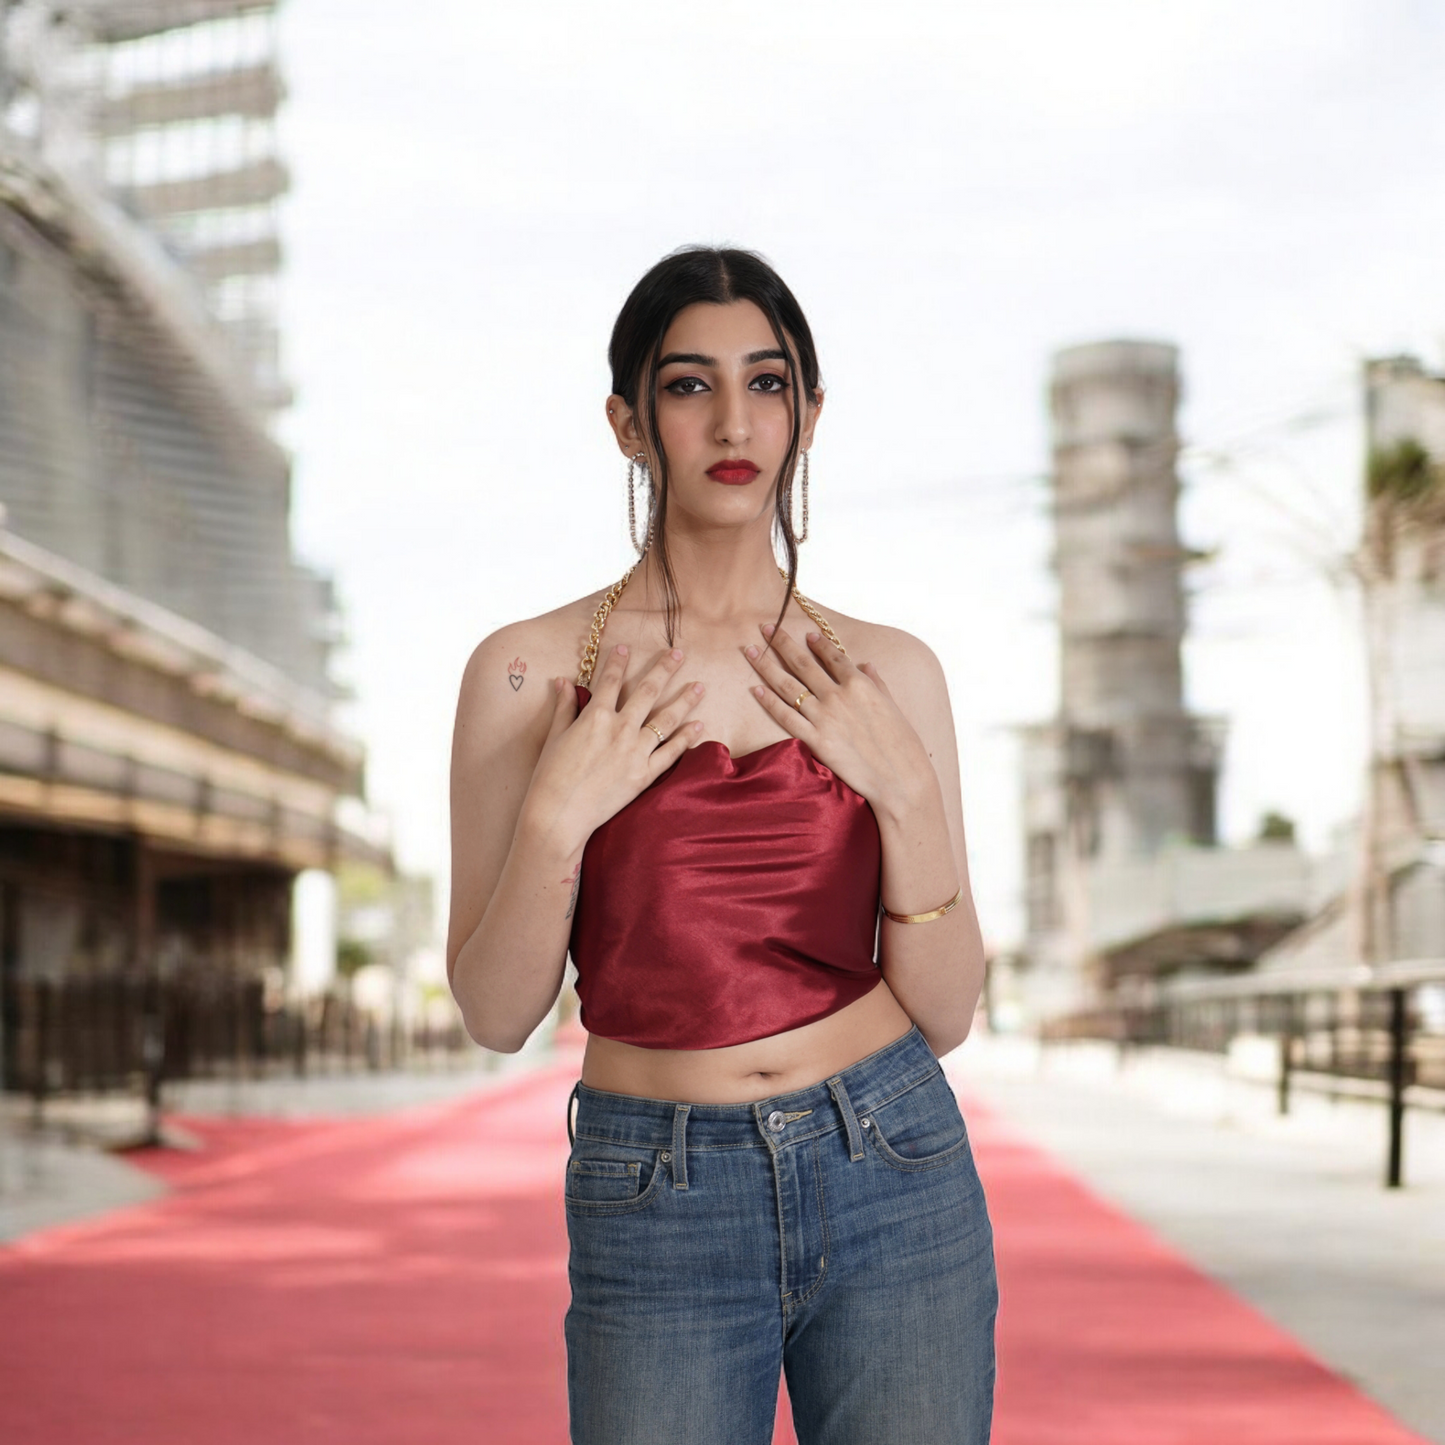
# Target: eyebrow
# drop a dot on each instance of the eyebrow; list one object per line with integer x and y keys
{"x": 696, "y": 358}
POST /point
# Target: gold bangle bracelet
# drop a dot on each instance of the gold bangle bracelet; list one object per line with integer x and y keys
{"x": 930, "y": 915}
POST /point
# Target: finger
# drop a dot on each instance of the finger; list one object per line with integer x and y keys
{"x": 784, "y": 714}
{"x": 663, "y": 757}
{"x": 668, "y": 718}
{"x": 872, "y": 673}
{"x": 608, "y": 683}
{"x": 797, "y": 659}
{"x": 768, "y": 665}
{"x": 649, "y": 687}
{"x": 833, "y": 660}
{"x": 564, "y": 708}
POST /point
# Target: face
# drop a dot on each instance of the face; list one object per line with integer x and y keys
{"x": 724, "y": 412}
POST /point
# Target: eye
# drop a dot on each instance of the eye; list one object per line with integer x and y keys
{"x": 686, "y": 386}
{"x": 770, "y": 383}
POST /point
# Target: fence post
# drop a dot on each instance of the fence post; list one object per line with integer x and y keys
{"x": 1286, "y": 1054}
{"x": 44, "y": 1036}
{"x": 153, "y": 1057}
{"x": 1398, "y": 1058}
{"x": 297, "y": 1014}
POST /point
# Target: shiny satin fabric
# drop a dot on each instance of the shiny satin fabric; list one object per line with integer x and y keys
{"x": 733, "y": 899}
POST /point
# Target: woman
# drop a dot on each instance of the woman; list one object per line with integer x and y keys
{"x": 769, "y": 1170}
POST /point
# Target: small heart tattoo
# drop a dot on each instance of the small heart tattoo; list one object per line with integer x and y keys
{"x": 516, "y": 679}
{"x": 516, "y": 673}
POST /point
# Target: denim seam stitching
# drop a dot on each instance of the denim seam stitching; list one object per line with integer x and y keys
{"x": 844, "y": 1106}
{"x": 653, "y": 1145}
{"x": 796, "y": 1138}
{"x": 679, "y": 1146}
{"x": 823, "y": 1221}
{"x": 896, "y": 1161}
{"x": 785, "y": 1293}
{"x": 879, "y": 1103}
{"x": 627, "y": 1206}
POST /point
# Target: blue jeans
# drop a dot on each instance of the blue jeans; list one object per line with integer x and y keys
{"x": 838, "y": 1234}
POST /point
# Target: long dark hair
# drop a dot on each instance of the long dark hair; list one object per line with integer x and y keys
{"x": 717, "y": 276}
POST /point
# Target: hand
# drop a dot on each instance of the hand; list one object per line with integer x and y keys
{"x": 848, "y": 718}
{"x": 592, "y": 766}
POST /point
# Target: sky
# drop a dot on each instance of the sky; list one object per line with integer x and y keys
{"x": 953, "y": 191}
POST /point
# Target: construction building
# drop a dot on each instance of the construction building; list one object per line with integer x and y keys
{"x": 1125, "y": 881}
{"x": 1394, "y": 909}
{"x": 169, "y": 760}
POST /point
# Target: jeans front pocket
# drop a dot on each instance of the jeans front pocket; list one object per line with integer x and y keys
{"x": 921, "y": 1129}
{"x": 606, "y": 1178}
{"x": 603, "y": 1181}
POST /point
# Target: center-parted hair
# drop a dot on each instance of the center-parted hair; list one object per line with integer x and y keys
{"x": 715, "y": 276}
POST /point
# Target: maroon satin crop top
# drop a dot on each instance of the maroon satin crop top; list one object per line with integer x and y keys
{"x": 732, "y": 899}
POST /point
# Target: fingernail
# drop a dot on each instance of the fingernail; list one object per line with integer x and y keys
{"x": 556, "y": 684}
{"x": 751, "y": 651}
{"x": 769, "y": 628}
{"x": 697, "y": 727}
{"x": 815, "y": 637}
{"x": 757, "y": 692}
{"x": 676, "y": 654}
{"x": 698, "y": 688}
{"x": 622, "y": 649}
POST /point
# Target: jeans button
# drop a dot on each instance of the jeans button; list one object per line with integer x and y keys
{"x": 776, "y": 1120}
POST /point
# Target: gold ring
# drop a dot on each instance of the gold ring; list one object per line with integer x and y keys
{"x": 658, "y": 731}
{"x": 799, "y": 704}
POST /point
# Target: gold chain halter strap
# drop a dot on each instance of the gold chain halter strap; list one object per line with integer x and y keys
{"x": 609, "y": 601}
{"x": 823, "y": 624}
{"x": 599, "y": 621}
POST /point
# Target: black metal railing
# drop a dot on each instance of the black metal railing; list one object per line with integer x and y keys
{"x": 1381, "y": 1031}
{"x": 107, "y": 1035}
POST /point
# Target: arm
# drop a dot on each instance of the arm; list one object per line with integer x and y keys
{"x": 901, "y": 755}
{"x": 529, "y": 785}
{"x": 510, "y": 892}
{"x": 935, "y": 969}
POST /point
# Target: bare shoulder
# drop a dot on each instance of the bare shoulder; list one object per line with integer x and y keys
{"x": 509, "y": 675}
{"x": 912, "y": 673}
{"x": 907, "y": 663}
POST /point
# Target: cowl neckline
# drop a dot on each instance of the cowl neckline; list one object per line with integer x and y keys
{"x": 735, "y": 761}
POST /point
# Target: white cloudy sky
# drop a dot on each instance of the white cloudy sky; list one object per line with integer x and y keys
{"x": 953, "y": 191}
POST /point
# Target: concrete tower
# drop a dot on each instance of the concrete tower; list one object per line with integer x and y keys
{"x": 1122, "y": 770}
{"x": 1121, "y": 599}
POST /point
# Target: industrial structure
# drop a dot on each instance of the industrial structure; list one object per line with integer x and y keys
{"x": 1306, "y": 975}
{"x": 1394, "y": 912}
{"x": 169, "y": 760}
{"x": 1125, "y": 883}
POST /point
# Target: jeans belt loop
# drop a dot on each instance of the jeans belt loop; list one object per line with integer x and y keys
{"x": 572, "y": 1099}
{"x": 850, "y": 1119}
{"x": 679, "y": 1146}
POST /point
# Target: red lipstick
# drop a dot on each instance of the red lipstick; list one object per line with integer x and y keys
{"x": 734, "y": 472}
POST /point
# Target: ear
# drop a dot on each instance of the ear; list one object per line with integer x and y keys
{"x": 810, "y": 421}
{"x": 626, "y": 427}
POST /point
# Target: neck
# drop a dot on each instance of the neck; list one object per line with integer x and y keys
{"x": 720, "y": 576}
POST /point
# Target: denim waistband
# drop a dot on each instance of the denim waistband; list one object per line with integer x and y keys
{"x": 835, "y": 1103}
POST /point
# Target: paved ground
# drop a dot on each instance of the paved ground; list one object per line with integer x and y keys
{"x": 371, "y": 1280}
{"x": 66, "y": 1172}
{"x": 1288, "y": 1213}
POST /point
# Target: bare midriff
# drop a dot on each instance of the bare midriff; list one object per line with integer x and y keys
{"x": 745, "y": 1073}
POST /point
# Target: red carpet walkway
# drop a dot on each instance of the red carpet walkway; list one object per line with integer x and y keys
{"x": 403, "y": 1278}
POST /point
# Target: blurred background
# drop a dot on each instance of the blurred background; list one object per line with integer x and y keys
{"x": 1132, "y": 331}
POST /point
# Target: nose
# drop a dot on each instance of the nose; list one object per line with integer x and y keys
{"x": 732, "y": 427}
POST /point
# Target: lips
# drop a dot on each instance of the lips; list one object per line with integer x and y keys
{"x": 735, "y": 472}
